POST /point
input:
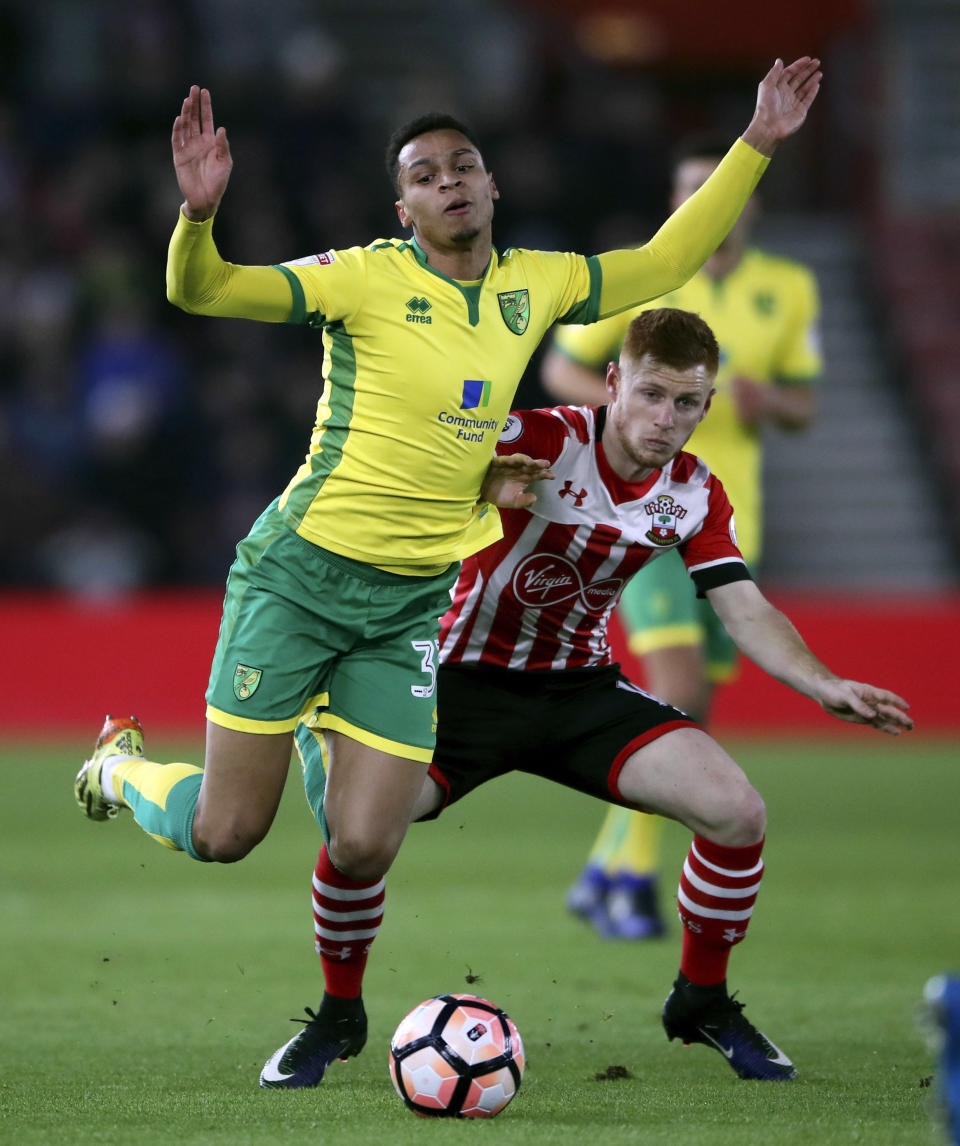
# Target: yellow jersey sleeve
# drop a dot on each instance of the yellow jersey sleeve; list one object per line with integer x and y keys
{"x": 200, "y": 282}
{"x": 800, "y": 360}
{"x": 686, "y": 240}
{"x": 564, "y": 287}
{"x": 329, "y": 287}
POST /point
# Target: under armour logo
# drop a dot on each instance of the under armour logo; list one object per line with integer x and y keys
{"x": 569, "y": 491}
{"x": 731, "y": 935}
{"x": 340, "y": 953}
{"x": 345, "y": 952}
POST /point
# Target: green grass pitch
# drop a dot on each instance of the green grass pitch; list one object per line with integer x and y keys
{"x": 142, "y": 992}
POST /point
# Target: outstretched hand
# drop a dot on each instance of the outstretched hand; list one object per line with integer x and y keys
{"x": 506, "y": 480}
{"x": 201, "y": 156}
{"x": 784, "y": 97}
{"x": 863, "y": 704}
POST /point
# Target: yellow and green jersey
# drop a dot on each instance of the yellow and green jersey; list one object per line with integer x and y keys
{"x": 420, "y": 370}
{"x": 419, "y": 374}
{"x": 764, "y": 314}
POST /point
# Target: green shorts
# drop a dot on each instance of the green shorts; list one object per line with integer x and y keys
{"x": 306, "y": 632}
{"x": 660, "y": 609}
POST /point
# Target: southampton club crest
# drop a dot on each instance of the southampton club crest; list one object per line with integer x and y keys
{"x": 246, "y": 681}
{"x": 515, "y": 309}
{"x": 665, "y": 513}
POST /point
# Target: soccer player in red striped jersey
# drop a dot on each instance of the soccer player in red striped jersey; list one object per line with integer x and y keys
{"x": 526, "y": 680}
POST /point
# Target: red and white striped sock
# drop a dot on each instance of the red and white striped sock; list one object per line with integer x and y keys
{"x": 346, "y": 919}
{"x": 718, "y": 889}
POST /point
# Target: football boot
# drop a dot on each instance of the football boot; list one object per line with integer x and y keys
{"x": 303, "y": 1060}
{"x": 716, "y": 1019}
{"x": 120, "y": 736}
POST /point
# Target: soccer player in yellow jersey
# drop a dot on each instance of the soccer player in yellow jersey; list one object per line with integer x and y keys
{"x": 764, "y": 311}
{"x": 332, "y": 606}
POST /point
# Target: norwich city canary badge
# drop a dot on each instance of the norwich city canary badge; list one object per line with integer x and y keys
{"x": 246, "y": 681}
{"x": 515, "y": 308}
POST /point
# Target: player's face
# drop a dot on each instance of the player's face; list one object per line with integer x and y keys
{"x": 446, "y": 193}
{"x": 653, "y": 410}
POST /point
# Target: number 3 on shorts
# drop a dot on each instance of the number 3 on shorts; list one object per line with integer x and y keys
{"x": 428, "y": 664}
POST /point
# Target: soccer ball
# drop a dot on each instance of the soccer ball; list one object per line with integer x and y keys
{"x": 456, "y": 1056}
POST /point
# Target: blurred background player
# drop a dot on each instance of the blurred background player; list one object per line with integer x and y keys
{"x": 942, "y": 999}
{"x": 764, "y": 310}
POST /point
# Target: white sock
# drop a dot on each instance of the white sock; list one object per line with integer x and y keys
{"x": 106, "y": 778}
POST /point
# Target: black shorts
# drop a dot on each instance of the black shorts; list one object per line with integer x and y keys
{"x": 576, "y": 727}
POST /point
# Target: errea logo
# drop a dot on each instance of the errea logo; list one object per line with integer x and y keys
{"x": 417, "y": 308}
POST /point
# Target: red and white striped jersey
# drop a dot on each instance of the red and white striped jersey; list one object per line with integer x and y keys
{"x": 541, "y": 597}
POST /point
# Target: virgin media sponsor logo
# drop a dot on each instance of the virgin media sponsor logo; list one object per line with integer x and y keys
{"x": 544, "y": 579}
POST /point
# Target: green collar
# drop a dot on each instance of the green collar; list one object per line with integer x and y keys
{"x": 470, "y": 291}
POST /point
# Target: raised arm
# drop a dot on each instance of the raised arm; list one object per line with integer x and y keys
{"x": 198, "y": 280}
{"x": 768, "y": 638}
{"x": 695, "y": 230}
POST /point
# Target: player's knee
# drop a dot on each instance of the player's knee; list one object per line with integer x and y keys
{"x": 361, "y": 857}
{"x": 753, "y": 816}
{"x": 227, "y": 842}
{"x": 741, "y": 818}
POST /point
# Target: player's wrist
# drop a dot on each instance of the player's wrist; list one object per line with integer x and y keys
{"x": 196, "y": 214}
{"x": 761, "y": 137}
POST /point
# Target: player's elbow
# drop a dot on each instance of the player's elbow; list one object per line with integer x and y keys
{"x": 178, "y": 296}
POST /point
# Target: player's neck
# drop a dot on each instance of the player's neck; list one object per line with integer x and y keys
{"x": 629, "y": 472}
{"x": 466, "y": 263}
{"x": 623, "y": 465}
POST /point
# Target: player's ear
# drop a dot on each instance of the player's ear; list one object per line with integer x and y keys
{"x": 706, "y": 405}
{"x": 402, "y": 213}
{"x": 613, "y": 379}
{"x": 494, "y": 193}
